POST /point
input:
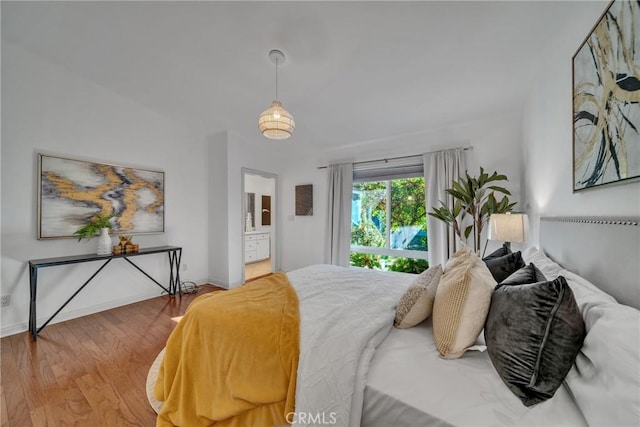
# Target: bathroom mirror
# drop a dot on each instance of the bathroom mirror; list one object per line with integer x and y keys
{"x": 251, "y": 209}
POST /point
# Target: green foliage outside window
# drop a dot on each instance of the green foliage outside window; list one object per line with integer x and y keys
{"x": 371, "y": 261}
{"x": 407, "y": 217}
{"x": 409, "y": 265}
{"x": 407, "y": 201}
{"x": 367, "y": 234}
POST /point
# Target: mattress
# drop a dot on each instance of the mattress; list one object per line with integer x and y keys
{"x": 408, "y": 384}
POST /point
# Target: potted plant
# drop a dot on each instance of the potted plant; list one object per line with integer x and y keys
{"x": 474, "y": 201}
{"x": 99, "y": 223}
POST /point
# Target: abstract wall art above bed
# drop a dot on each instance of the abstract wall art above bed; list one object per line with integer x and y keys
{"x": 71, "y": 192}
{"x": 606, "y": 99}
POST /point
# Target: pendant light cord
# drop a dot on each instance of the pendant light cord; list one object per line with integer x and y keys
{"x": 276, "y": 78}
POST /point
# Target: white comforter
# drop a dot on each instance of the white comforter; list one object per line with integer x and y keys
{"x": 344, "y": 314}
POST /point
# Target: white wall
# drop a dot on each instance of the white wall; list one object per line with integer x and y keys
{"x": 547, "y": 138}
{"x": 236, "y": 153}
{"x": 302, "y": 237}
{"x": 218, "y": 214}
{"x": 496, "y": 145}
{"x": 48, "y": 109}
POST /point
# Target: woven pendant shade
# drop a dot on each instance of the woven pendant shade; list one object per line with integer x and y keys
{"x": 276, "y": 122}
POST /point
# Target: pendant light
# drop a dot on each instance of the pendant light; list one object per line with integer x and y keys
{"x": 276, "y": 122}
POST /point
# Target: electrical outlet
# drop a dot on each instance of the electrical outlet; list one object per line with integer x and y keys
{"x": 184, "y": 267}
{"x": 6, "y": 300}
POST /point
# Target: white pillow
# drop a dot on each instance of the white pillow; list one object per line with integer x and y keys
{"x": 586, "y": 292}
{"x": 549, "y": 268}
{"x": 417, "y": 303}
{"x": 605, "y": 379}
{"x": 583, "y": 289}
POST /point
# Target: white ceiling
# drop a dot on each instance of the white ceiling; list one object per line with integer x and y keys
{"x": 355, "y": 71}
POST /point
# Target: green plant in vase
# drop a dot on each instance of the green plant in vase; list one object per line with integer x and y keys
{"x": 474, "y": 201}
{"x": 98, "y": 222}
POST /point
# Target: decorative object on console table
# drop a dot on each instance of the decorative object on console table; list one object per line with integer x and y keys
{"x": 125, "y": 246}
{"x": 71, "y": 192}
{"x": 473, "y": 197}
{"x": 101, "y": 223}
{"x": 104, "y": 242}
{"x": 508, "y": 227}
{"x": 304, "y": 200}
{"x": 606, "y": 100}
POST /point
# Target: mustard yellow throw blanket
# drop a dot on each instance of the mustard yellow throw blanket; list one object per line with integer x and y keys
{"x": 233, "y": 358}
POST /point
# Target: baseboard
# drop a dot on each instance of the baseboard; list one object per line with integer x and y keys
{"x": 16, "y": 328}
{"x": 217, "y": 282}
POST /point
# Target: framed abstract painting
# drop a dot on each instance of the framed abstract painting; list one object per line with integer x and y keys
{"x": 606, "y": 100}
{"x": 71, "y": 192}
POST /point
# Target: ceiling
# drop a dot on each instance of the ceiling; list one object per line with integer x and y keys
{"x": 355, "y": 71}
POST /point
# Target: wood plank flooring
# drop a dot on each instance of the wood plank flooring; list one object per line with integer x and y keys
{"x": 256, "y": 270}
{"x": 89, "y": 371}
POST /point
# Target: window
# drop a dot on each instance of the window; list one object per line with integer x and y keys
{"x": 388, "y": 224}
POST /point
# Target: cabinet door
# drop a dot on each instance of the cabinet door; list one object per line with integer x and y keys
{"x": 262, "y": 248}
{"x": 250, "y": 256}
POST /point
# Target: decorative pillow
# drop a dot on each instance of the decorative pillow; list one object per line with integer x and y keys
{"x": 528, "y": 274}
{"x": 606, "y": 379}
{"x": 533, "y": 334}
{"x": 502, "y": 267}
{"x": 417, "y": 303}
{"x": 461, "y": 304}
{"x": 502, "y": 251}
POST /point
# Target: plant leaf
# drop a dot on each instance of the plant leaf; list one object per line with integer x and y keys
{"x": 499, "y": 189}
{"x": 467, "y": 231}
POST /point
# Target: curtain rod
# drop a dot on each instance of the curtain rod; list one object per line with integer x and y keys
{"x": 404, "y": 157}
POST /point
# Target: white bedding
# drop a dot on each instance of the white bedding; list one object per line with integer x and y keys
{"x": 347, "y": 313}
{"x": 344, "y": 315}
{"x": 410, "y": 385}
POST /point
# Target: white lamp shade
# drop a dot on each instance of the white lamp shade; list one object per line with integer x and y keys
{"x": 276, "y": 122}
{"x": 509, "y": 227}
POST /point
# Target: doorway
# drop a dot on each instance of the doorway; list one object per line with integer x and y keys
{"x": 259, "y": 223}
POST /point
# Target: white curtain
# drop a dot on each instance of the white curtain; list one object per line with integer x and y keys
{"x": 441, "y": 168}
{"x": 338, "y": 234}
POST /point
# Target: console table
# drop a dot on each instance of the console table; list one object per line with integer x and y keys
{"x": 174, "y": 252}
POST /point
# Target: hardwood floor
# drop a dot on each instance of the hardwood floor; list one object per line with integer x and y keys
{"x": 256, "y": 270}
{"x": 89, "y": 371}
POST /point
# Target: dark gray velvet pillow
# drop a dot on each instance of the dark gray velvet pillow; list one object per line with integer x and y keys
{"x": 504, "y": 266}
{"x": 502, "y": 251}
{"x": 533, "y": 334}
{"x": 527, "y": 274}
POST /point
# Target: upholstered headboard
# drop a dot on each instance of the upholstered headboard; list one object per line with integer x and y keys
{"x": 605, "y": 251}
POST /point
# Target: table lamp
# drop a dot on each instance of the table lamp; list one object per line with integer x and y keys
{"x": 508, "y": 227}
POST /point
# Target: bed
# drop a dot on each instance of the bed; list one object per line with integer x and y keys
{"x": 355, "y": 369}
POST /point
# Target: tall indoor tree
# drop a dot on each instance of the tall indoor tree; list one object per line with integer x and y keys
{"x": 473, "y": 203}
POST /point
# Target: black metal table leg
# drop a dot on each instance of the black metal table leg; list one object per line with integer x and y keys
{"x": 70, "y": 298}
{"x": 33, "y": 281}
{"x": 150, "y": 278}
{"x": 175, "y": 257}
{"x": 178, "y": 271}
